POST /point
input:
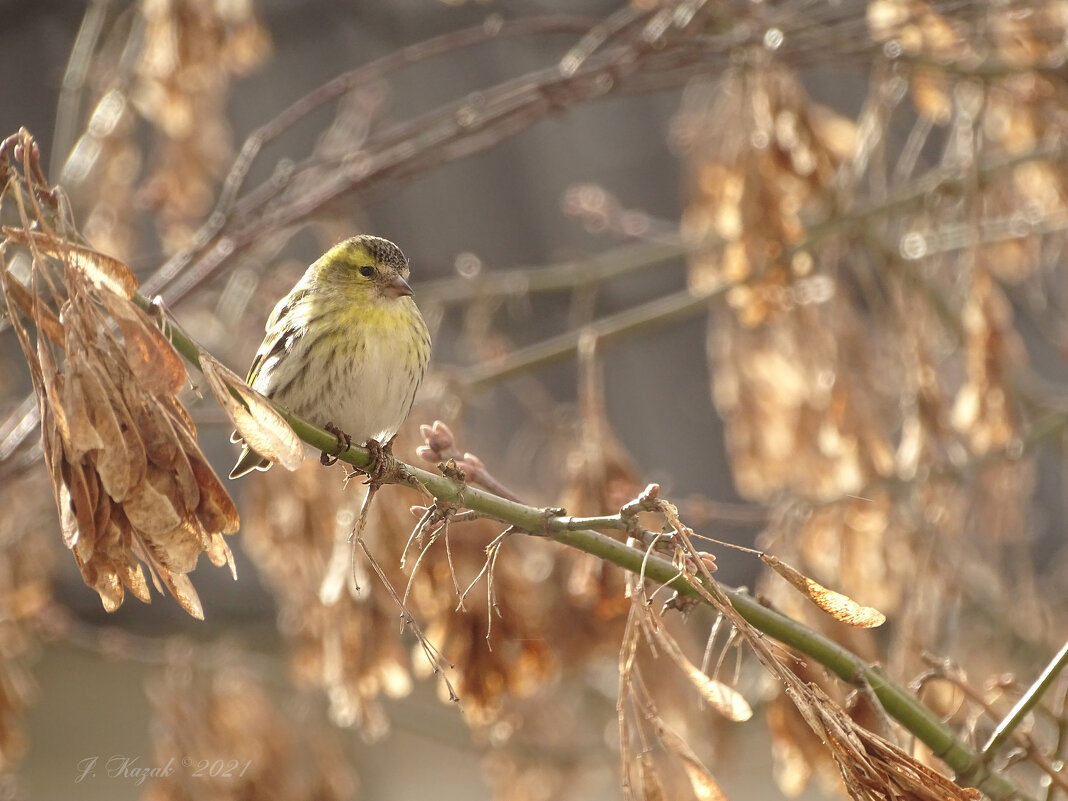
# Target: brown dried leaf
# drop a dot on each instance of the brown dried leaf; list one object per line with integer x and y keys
{"x": 68, "y": 523}
{"x": 108, "y": 407}
{"x": 52, "y": 384}
{"x": 718, "y": 695}
{"x": 705, "y": 788}
{"x": 178, "y": 584}
{"x": 170, "y": 446}
{"x": 82, "y": 435}
{"x": 725, "y": 700}
{"x": 216, "y": 510}
{"x": 109, "y": 587}
{"x": 154, "y": 361}
{"x": 220, "y": 554}
{"x": 257, "y": 422}
{"x": 177, "y": 413}
{"x": 150, "y": 510}
{"x": 129, "y": 449}
{"x": 180, "y": 548}
{"x": 105, "y": 272}
{"x": 44, "y": 318}
{"x": 184, "y": 592}
{"x": 115, "y": 465}
{"x": 185, "y": 476}
{"x": 651, "y": 787}
{"x": 81, "y": 494}
{"x": 213, "y": 506}
{"x": 155, "y": 428}
{"x": 102, "y": 516}
{"x": 840, "y": 607}
{"x": 134, "y": 579}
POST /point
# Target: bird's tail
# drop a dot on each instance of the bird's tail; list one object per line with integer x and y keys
{"x": 248, "y": 461}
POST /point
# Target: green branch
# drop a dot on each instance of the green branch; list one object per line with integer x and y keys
{"x": 554, "y": 524}
{"x": 897, "y": 701}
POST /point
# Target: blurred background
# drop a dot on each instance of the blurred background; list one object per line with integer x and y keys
{"x": 799, "y": 263}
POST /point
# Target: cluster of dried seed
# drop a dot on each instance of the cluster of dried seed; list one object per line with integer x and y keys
{"x": 220, "y": 731}
{"x": 132, "y": 486}
{"x": 175, "y": 77}
{"x": 865, "y": 356}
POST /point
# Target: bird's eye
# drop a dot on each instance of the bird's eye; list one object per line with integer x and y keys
{"x": 367, "y": 271}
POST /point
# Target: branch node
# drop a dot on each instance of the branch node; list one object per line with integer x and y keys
{"x": 547, "y": 514}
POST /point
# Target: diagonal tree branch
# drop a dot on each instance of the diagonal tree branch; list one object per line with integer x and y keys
{"x": 556, "y": 524}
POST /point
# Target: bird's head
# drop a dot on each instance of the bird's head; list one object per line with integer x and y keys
{"x": 369, "y": 266}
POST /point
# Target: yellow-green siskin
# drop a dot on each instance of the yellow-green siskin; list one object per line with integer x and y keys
{"x": 347, "y": 347}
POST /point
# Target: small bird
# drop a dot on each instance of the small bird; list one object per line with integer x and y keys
{"x": 346, "y": 348}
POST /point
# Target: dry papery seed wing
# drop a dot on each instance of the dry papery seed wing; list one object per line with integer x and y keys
{"x": 840, "y": 607}
{"x": 871, "y": 767}
{"x": 258, "y": 423}
{"x": 130, "y": 481}
{"x": 105, "y": 272}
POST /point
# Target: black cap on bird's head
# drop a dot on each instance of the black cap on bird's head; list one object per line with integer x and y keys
{"x": 374, "y": 259}
{"x": 385, "y": 254}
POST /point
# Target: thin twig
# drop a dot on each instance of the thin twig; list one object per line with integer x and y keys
{"x": 417, "y": 532}
{"x": 493, "y": 550}
{"x": 1026, "y": 703}
{"x": 418, "y": 561}
{"x": 485, "y": 568}
{"x": 436, "y": 659}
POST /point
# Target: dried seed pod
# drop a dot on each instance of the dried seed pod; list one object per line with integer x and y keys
{"x": 129, "y": 479}
{"x": 840, "y": 607}
{"x": 170, "y": 91}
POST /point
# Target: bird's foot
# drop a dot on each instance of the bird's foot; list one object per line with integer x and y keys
{"x": 382, "y": 461}
{"x": 344, "y": 442}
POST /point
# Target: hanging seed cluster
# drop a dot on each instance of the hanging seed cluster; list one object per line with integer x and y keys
{"x": 133, "y": 489}
{"x": 865, "y": 355}
{"x": 158, "y": 136}
{"x": 204, "y": 719}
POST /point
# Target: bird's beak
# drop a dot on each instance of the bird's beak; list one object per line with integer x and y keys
{"x": 398, "y": 288}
